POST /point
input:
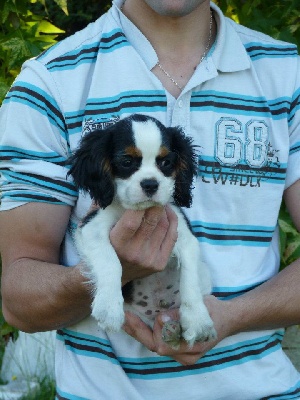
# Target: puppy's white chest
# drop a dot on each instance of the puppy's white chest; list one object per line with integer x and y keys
{"x": 156, "y": 293}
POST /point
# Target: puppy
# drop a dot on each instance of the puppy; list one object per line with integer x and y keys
{"x": 136, "y": 164}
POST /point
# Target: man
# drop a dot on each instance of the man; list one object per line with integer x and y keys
{"x": 236, "y": 92}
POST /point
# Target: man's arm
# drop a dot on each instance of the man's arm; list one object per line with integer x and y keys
{"x": 274, "y": 304}
{"x": 37, "y": 293}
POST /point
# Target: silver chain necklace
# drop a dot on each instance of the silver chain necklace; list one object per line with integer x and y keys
{"x": 201, "y": 59}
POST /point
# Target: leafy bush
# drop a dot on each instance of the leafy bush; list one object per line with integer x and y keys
{"x": 23, "y": 35}
{"x": 279, "y": 19}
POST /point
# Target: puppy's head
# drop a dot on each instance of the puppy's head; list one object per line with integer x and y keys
{"x": 138, "y": 162}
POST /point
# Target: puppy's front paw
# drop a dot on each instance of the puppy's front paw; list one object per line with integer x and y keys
{"x": 197, "y": 326}
{"x": 109, "y": 315}
{"x": 172, "y": 334}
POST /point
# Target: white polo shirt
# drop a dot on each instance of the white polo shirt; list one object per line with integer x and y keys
{"x": 242, "y": 109}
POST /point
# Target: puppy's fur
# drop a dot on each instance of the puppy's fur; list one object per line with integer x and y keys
{"x": 136, "y": 164}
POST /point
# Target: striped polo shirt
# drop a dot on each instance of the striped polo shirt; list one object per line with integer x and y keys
{"x": 242, "y": 109}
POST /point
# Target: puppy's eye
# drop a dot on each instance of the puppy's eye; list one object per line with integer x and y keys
{"x": 166, "y": 164}
{"x": 127, "y": 162}
{"x": 125, "y": 165}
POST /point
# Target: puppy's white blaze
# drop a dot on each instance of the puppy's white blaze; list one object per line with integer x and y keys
{"x": 147, "y": 137}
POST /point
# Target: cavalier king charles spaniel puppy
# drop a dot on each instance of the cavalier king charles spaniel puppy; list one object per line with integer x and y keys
{"x": 135, "y": 164}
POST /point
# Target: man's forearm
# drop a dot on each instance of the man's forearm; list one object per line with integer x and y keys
{"x": 45, "y": 297}
{"x": 52, "y": 296}
{"x": 274, "y": 304}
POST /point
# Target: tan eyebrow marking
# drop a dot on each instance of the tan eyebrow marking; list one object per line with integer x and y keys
{"x": 133, "y": 151}
{"x": 164, "y": 151}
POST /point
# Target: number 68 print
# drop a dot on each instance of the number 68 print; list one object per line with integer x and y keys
{"x": 235, "y": 146}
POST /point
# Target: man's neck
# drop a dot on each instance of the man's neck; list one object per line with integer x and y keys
{"x": 171, "y": 36}
{"x": 180, "y": 42}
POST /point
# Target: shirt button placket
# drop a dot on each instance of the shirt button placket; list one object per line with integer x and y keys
{"x": 181, "y": 112}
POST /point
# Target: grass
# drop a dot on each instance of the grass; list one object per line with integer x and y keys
{"x": 2, "y": 349}
{"x": 46, "y": 391}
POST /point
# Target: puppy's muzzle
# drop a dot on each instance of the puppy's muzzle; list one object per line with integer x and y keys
{"x": 149, "y": 186}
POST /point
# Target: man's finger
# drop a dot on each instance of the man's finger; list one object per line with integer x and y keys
{"x": 150, "y": 221}
{"x": 136, "y": 328}
{"x": 127, "y": 226}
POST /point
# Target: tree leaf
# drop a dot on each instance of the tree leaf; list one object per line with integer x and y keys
{"x": 4, "y": 88}
{"x": 292, "y": 251}
{"x": 48, "y": 28}
{"x": 8, "y": 6}
{"x": 18, "y": 51}
{"x": 63, "y": 4}
{"x": 287, "y": 227}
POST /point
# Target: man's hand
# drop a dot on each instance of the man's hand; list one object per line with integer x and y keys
{"x": 143, "y": 241}
{"x": 152, "y": 339}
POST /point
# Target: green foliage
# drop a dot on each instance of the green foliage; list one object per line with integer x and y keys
{"x": 279, "y": 19}
{"x": 6, "y": 330}
{"x": 289, "y": 238}
{"x": 80, "y": 13}
{"x": 23, "y": 35}
{"x": 46, "y": 391}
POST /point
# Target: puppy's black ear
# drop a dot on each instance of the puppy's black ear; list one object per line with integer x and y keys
{"x": 91, "y": 167}
{"x": 187, "y": 167}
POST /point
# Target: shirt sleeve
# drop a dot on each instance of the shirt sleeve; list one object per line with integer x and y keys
{"x": 34, "y": 143}
{"x": 293, "y": 167}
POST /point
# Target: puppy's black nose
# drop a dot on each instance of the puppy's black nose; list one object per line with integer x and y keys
{"x": 149, "y": 186}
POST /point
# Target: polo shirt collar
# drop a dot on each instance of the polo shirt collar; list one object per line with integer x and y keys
{"x": 136, "y": 38}
{"x": 229, "y": 54}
